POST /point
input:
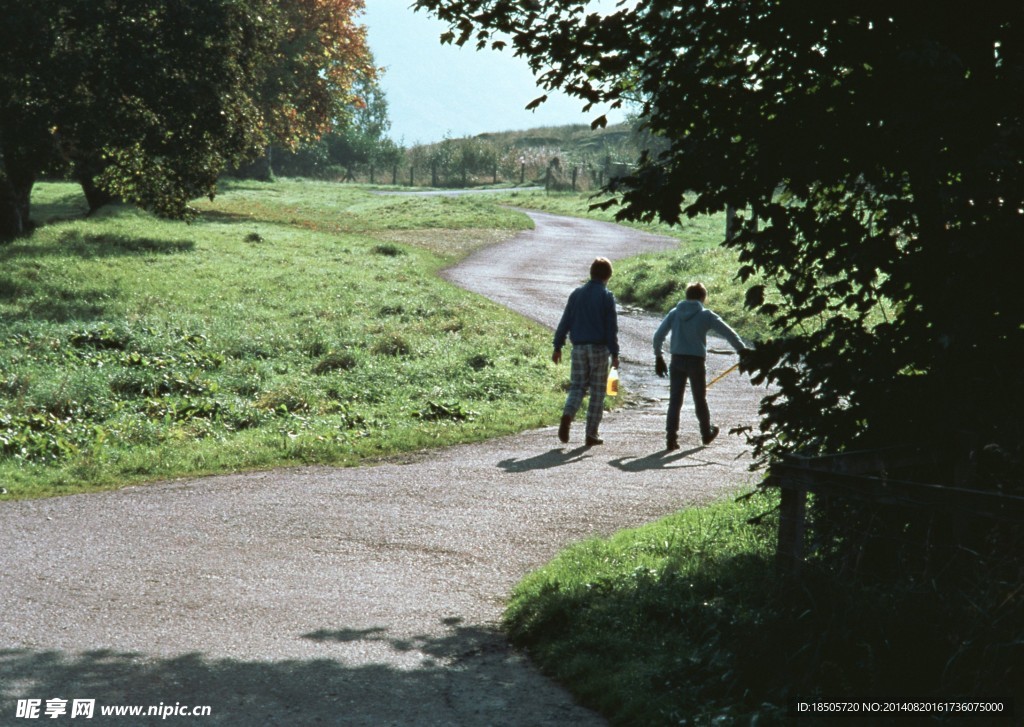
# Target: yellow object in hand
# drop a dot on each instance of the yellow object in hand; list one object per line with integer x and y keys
{"x": 613, "y": 383}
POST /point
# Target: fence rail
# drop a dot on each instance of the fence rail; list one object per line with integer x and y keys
{"x": 865, "y": 476}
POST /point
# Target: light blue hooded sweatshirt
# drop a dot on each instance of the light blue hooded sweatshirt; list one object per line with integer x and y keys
{"x": 689, "y": 323}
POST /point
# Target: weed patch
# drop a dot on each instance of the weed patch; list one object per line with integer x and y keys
{"x": 388, "y": 250}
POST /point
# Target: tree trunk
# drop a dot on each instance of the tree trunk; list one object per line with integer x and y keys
{"x": 12, "y": 222}
{"x": 94, "y": 195}
{"x": 260, "y": 169}
{"x": 15, "y": 205}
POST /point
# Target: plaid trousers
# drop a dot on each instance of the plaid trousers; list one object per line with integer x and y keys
{"x": 588, "y": 370}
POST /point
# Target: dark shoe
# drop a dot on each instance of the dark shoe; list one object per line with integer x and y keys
{"x": 710, "y": 436}
{"x": 672, "y": 444}
{"x": 592, "y": 440}
{"x": 563, "y": 428}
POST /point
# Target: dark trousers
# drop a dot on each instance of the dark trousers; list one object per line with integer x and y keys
{"x": 681, "y": 370}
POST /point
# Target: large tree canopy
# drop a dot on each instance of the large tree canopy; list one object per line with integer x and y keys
{"x": 320, "y": 64}
{"x": 150, "y": 100}
{"x": 879, "y": 145}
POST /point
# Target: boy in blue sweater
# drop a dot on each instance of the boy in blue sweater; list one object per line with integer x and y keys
{"x": 590, "y": 322}
{"x": 689, "y": 323}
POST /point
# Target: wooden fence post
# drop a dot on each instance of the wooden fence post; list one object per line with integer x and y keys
{"x": 792, "y": 523}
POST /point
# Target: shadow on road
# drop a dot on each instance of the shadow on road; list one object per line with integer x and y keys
{"x": 663, "y": 460}
{"x": 547, "y": 460}
{"x": 469, "y": 671}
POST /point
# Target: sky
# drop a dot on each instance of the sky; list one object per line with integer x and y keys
{"x": 435, "y": 90}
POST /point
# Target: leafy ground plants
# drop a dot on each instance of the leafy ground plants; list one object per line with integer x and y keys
{"x": 292, "y": 322}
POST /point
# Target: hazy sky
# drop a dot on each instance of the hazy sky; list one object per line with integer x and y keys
{"x": 435, "y": 90}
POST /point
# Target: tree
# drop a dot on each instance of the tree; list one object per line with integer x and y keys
{"x": 25, "y": 37}
{"x": 881, "y": 147}
{"x": 320, "y": 62}
{"x": 358, "y": 139}
{"x": 146, "y": 100}
{"x": 150, "y": 100}
{"x": 363, "y": 137}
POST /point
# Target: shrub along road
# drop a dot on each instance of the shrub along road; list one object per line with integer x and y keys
{"x": 354, "y": 596}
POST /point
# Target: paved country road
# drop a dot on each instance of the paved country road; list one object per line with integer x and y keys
{"x": 367, "y": 596}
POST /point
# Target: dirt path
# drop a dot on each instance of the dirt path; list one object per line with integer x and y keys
{"x": 362, "y": 596}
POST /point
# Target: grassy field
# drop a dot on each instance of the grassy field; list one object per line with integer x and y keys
{"x": 292, "y": 322}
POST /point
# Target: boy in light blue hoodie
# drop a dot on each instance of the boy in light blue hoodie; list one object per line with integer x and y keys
{"x": 689, "y": 323}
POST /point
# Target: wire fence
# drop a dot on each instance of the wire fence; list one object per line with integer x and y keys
{"x": 870, "y": 479}
{"x": 552, "y": 175}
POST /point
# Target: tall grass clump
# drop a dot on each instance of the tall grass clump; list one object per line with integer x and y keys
{"x": 285, "y": 325}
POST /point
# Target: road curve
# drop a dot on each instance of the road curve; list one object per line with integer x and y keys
{"x": 367, "y": 596}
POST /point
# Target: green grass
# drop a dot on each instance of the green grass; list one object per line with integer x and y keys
{"x": 684, "y": 621}
{"x": 644, "y": 626}
{"x": 292, "y": 322}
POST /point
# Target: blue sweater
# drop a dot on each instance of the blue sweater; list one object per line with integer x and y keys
{"x": 589, "y": 317}
{"x": 689, "y": 323}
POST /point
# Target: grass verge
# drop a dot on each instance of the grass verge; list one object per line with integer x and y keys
{"x": 636, "y": 625}
{"x": 684, "y": 622}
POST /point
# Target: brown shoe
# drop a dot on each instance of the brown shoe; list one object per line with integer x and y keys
{"x": 672, "y": 443}
{"x": 592, "y": 440}
{"x": 563, "y": 429}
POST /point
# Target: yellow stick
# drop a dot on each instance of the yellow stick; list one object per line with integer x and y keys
{"x": 724, "y": 374}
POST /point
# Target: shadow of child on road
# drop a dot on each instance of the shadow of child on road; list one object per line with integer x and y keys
{"x": 662, "y": 460}
{"x": 547, "y": 460}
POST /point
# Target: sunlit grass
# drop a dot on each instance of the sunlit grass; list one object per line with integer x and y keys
{"x": 647, "y": 626}
{"x": 291, "y": 322}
